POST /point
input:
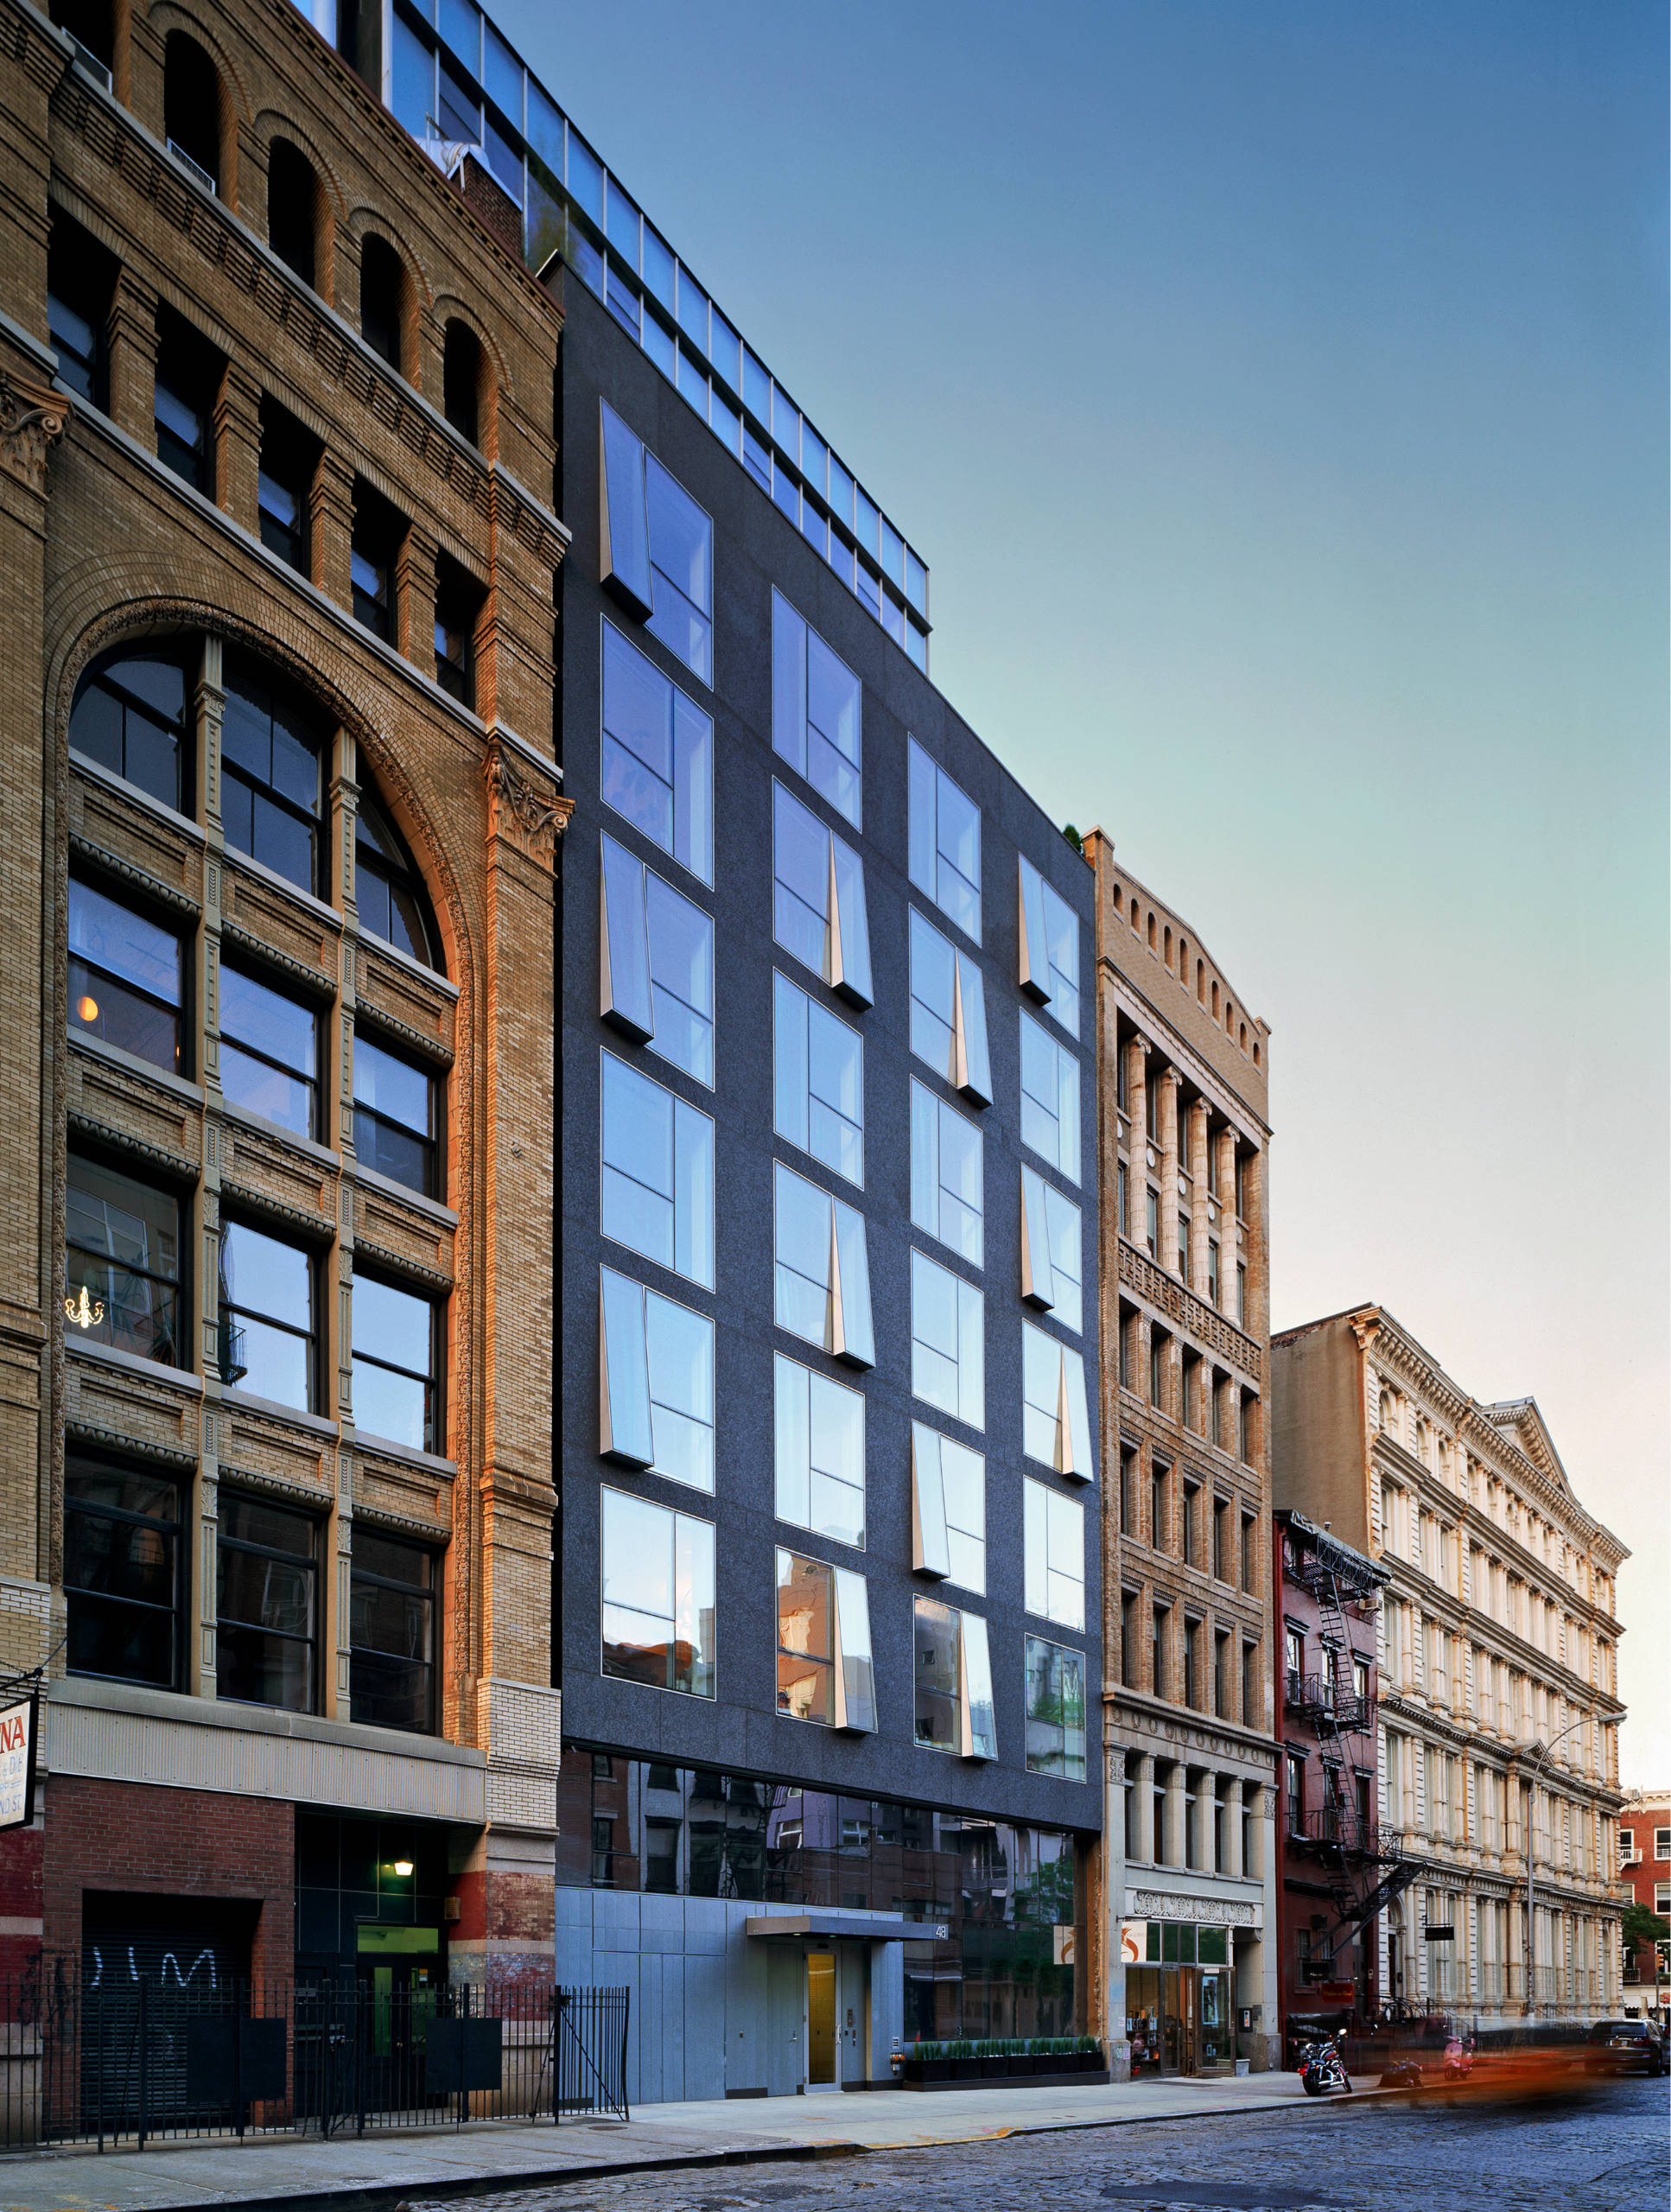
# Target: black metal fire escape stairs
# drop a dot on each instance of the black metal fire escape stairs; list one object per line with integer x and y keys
{"x": 1335, "y": 1709}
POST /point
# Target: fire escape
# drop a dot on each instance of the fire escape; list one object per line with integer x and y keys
{"x": 1344, "y": 1832}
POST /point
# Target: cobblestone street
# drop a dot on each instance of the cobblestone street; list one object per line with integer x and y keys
{"x": 1606, "y": 2152}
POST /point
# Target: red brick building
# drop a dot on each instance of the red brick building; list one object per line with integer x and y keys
{"x": 1332, "y": 1875}
{"x": 1645, "y": 1863}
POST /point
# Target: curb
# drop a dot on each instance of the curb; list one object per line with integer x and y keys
{"x": 399, "y": 2197}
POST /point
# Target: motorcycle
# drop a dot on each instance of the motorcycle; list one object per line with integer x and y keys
{"x": 1323, "y": 2070}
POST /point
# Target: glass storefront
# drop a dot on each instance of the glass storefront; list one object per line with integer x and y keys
{"x": 1178, "y": 2014}
{"x": 1010, "y": 1896}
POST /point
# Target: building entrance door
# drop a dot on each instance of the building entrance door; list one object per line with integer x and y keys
{"x": 822, "y": 2068}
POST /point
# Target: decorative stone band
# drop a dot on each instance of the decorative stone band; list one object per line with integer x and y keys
{"x": 1204, "y": 1322}
{"x": 1213, "y": 1912}
{"x": 33, "y": 418}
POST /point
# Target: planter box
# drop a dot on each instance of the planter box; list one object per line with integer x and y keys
{"x": 965, "y": 2069}
{"x": 926, "y": 2070}
{"x": 1023, "y": 2066}
{"x": 995, "y": 2069}
{"x": 1039, "y": 2080}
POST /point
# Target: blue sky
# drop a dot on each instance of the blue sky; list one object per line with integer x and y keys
{"x": 1278, "y": 395}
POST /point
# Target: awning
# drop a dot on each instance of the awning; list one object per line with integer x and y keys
{"x": 868, "y": 1927}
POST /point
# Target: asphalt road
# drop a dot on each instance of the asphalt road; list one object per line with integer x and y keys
{"x": 1603, "y": 2152}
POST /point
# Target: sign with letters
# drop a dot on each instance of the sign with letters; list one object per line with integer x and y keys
{"x": 17, "y": 1726}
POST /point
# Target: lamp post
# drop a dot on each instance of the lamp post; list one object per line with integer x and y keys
{"x": 1543, "y": 1751}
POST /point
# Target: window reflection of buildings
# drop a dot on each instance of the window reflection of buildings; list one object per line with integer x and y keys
{"x": 1003, "y": 1891}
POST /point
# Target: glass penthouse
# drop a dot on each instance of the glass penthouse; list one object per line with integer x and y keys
{"x": 827, "y": 1564}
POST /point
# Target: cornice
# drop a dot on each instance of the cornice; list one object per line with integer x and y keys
{"x": 1166, "y": 1295}
{"x": 1174, "y": 1727}
{"x": 173, "y": 1164}
{"x": 102, "y": 859}
{"x": 1166, "y": 1036}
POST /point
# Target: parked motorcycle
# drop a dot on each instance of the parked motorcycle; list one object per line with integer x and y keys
{"x": 1323, "y": 2070}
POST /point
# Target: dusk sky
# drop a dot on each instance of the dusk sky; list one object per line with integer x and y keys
{"x": 1277, "y": 393}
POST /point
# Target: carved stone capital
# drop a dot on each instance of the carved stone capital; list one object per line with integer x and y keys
{"x": 33, "y": 418}
{"x": 520, "y": 810}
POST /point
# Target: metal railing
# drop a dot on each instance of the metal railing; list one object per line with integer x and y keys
{"x": 1320, "y": 1695}
{"x": 91, "y": 2059}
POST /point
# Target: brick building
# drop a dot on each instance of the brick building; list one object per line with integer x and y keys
{"x": 1189, "y": 1896}
{"x": 1497, "y": 1665}
{"x": 1336, "y": 1873}
{"x": 1645, "y": 1864}
{"x": 276, "y": 466}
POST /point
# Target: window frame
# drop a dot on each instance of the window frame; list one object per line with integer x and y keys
{"x": 933, "y": 1527}
{"x": 794, "y": 1376}
{"x": 679, "y": 1521}
{"x": 175, "y": 1287}
{"x": 925, "y": 777}
{"x": 253, "y": 971}
{"x": 930, "y": 1117}
{"x": 180, "y": 1013}
{"x": 364, "y": 1578}
{"x": 251, "y": 1547}
{"x": 228, "y": 1307}
{"x": 81, "y": 1462}
{"x": 1065, "y": 1061}
{"x": 627, "y": 1371}
{"x": 793, "y": 729}
{"x": 971, "y": 1664}
{"x": 849, "y": 1675}
{"x": 848, "y": 1333}
{"x": 970, "y": 1302}
{"x": 630, "y": 987}
{"x": 277, "y": 699}
{"x": 794, "y": 1010}
{"x": 431, "y": 1378}
{"x": 101, "y": 675}
{"x": 1045, "y": 915}
{"x": 1034, "y": 1651}
{"x": 1046, "y": 1512}
{"x": 433, "y": 1145}
{"x": 844, "y": 921}
{"x": 966, "y": 1063}
{"x": 690, "y": 782}
{"x": 699, "y": 1236}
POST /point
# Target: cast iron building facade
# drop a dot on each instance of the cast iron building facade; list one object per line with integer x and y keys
{"x": 280, "y": 819}
{"x": 1188, "y": 1902}
{"x": 1498, "y": 1658}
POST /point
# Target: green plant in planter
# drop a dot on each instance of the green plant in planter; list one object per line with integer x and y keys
{"x": 961, "y": 2047}
{"x": 932, "y": 2051}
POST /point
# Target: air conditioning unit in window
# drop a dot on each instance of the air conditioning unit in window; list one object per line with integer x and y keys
{"x": 193, "y": 168}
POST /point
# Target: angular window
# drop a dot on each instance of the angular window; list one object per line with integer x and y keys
{"x": 658, "y": 1195}
{"x": 948, "y": 1346}
{"x": 123, "y": 1585}
{"x": 657, "y": 1574}
{"x": 949, "y": 1012}
{"x": 121, "y": 1263}
{"x": 656, "y": 1362}
{"x": 1056, "y": 1710}
{"x": 658, "y": 548}
{"x": 945, "y": 842}
{"x": 126, "y": 978}
{"x": 270, "y": 748}
{"x": 1055, "y": 1427}
{"x": 266, "y": 1604}
{"x": 392, "y": 1634}
{"x": 1050, "y": 1099}
{"x": 188, "y": 373}
{"x": 382, "y": 293}
{"x": 1055, "y": 1549}
{"x": 284, "y": 479}
{"x": 1053, "y": 1250}
{"x": 129, "y": 716}
{"x": 822, "y": 1270}
{"x": 947, "y": 1508}
{"x": 657, "y": 958}
{"x": 397, "y": 1117}
{"x": 954, "y": 1682}
{"x": 80, "y": 283}
{"x": 375, "y": 541}
{"x": 820, "y": 1452}
{"x": 818, "y": 1081}
{"x": 267, "y": 1324}
{"x": 269, "y": 1052}
{"x": 397, "y": 1364}
{"x": 458, "y": 609}
{"x": 657, "y": 767}
{"x": 1049, "y": 949}
{"x": 817, "y": 710}
{"x": 818, "y": 905}
{"x": 389, "y": 892}
{"x": 824, "y": 1669}
{"x": 947, "y": 1189}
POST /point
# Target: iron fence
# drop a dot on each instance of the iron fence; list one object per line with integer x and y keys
{"x": 107, "y": 2060}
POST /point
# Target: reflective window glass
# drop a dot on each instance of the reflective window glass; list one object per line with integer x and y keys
{"x": 271, "y": 748}
{"x": 267, "y": 1331}
{"x": 392, "y": 1633}
{"x": 125, "y": 976}
{"x": 266, "y": 1604}
{"x": 822, "y": 1273}
{"x": 129, "y": 715}
{"x": 269, "y": 1052}
{"x": 1056, "y": 1710}
{"x": 948, "y": 1352}
{"x": 1050, "y": 1098}
{"x": 818, "y": 900}
{"x": 657, "y": 756}
{"x": 659, "y": 1595}
{"x": 657, "y": 1365}
{"x": 396, "y": 1364}
{"x": 121, "y": 1263}
{"x": 820, "y": 1452}
{"x": 944, "y": 843}
{"x": 658, "y": 1195}
{"x": 817, "y": 705}
{"x": 947, "y": 1196}
{"x": 818, "y": 1081}
{"x": 397, "y": 1109}
{"x": 1055, "y": 1554}
{"x": 122, "y": 1585}
{"x": 949, "y": 1012}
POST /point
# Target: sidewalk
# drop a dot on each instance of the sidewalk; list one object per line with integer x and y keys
{"x": 375, "y": 2172}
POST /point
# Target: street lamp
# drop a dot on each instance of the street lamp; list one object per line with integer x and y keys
{"x": 1543, "y": 1751}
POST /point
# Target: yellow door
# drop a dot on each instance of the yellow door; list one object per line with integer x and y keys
{"x": 821, "y": 2020}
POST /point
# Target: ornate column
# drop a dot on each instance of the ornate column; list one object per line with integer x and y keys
{"x": 1233, "y": 1866}
{"x": 1194, "y": 1162}
{"x": 1170, "y": 1120}
{"x": 1177, "y": 1812}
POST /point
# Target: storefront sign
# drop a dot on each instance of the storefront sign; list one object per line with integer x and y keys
{"x": 1062, "y": 1946}
{"x": 1134, "y": 1941}
{"x": 17, "y": 1763}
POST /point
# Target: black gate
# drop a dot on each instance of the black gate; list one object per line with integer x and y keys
{"x": 588, "y": 2051}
